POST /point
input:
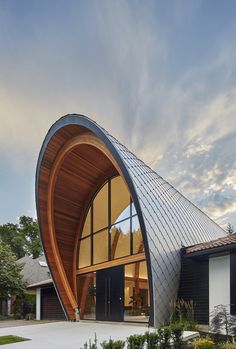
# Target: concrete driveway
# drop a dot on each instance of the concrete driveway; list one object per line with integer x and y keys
{"x": 68, "y": 335}
{"x": 16, "y": 323}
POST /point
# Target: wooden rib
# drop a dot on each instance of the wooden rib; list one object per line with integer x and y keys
{"x": 125, "y": 260}
{"x": 88, "y": 139}
{"x": 114, "y": 243}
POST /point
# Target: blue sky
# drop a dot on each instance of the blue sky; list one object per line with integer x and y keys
{"x": 159, "y": 75}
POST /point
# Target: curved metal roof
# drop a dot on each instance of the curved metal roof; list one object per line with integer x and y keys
{"x": 168, "y": 220}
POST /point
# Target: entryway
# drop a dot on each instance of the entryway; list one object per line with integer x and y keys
{"x": 110, "y": 294}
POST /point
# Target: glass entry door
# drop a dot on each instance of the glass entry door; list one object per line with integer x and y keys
{"x": 110, "y": 294}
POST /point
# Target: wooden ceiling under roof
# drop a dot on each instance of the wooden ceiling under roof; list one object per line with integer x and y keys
{"x": 74, "y": 165}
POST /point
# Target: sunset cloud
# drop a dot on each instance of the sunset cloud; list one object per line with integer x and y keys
{"x": 159, "y": 76}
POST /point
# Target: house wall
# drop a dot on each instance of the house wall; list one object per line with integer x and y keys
{"x": 194, "y": 287}
{"x": 233, "y": 283}
{"x": 51, "y": 308}
{"x": 38, "y": 303}
{"x": 219, "y": 281}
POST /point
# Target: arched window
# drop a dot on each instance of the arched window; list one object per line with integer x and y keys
{"x": 111, "y": 227}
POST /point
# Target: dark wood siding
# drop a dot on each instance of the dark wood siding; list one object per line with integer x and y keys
{"x": 50, "y": 305}
{"x": 233, "y": 283}
{"x": 194, "y": 285}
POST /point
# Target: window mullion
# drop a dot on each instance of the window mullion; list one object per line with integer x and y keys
{"x": 91, "y": 231}
{"x": 109, "y": 220}
{"x": 131, "y": 233}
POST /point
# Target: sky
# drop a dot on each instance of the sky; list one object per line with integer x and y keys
{"x": 158, "y": 75}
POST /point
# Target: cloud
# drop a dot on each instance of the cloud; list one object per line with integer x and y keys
{"x": 127, "y": 68}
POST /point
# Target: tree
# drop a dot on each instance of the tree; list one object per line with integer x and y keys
{"x": 229, "y": 229}
{"x": 23, "y": 238}
{"x": 223, "y": 321}
{"x": 10, "y": 234}
{"x": 11, "y": 280}
{"x": 30, "y": 231}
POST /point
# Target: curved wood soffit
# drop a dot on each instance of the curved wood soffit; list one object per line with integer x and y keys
{"x": 74, "y": 165}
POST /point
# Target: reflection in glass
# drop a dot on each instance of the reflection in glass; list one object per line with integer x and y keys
{"x": 100, "y": 209}
{"x": 137, "y": 300}
{"x": 120, "y": 239}
{"x": 100, "y": 247}
{"x": 120, "y": 200}
{"x": 87, "y": 225}
{"x": 133, "y": 209}
{"x": 137, "y": 236}
{"x": 86, "y": 285}
{"x": 97, "y": 222}
{"x": 85, "y": 252}
{"x": 124, "y": 214}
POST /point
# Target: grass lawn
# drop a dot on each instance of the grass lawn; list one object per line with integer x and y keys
{"x": 11, "y": 339}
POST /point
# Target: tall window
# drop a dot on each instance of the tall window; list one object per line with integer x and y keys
{"x": 111, "y": 228}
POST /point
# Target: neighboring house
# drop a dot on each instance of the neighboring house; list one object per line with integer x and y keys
{"x": 208, "y": 276}
{"x": 38, "y": 277}
{"x": 34, "y": 270}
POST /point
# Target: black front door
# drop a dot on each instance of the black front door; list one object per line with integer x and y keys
{"x": 110, "y": 294}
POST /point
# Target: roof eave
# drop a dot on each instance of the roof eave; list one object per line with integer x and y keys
{"x": 209, "y": 251}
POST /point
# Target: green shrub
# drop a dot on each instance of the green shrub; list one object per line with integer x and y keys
{"x": 227, "y": 345}
{"x": 17, "y": 316}
{"x": 136, "y": 341}
{"x": 164, "y": 334}
{"x": 30, "y": 316}
{"x": 152, "y": 340}
{"x": 111, "y": 344}
{"x": 177, "y": 335}
{"x": 92, "y": 345}
{"x": 182, "y": 312}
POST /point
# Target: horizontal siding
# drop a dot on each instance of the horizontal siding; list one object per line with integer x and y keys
{"x": 50, "y": 305}
{"x": 194, "y": 285}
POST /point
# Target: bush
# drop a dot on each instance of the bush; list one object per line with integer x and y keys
{"x": 228, "y": 345}
{"x": 136, "y": 341}
{"x": 30, "y": 316}
{"x": 92, "y": 345}
{"x": 164, "y": 337}
{"x": 17, "y": 316}
{"x": 113, "y": 344}
{"x": 177, "y": 335}
{"x": 182, "y": 312}
{"x": 204, "y": 343}
{"x": 152, "y": 340}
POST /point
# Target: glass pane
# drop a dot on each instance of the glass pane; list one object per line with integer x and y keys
{"x": 85, "y": 252}
{"x": 137, "y": 300}
{"x": 120, "y": 239}
{"x": 86, "y": 285}
{"x": 100, "y": 209}
{"x": 100, "y": 247}
{"x": 133, "y": 209}
{"x": 87, "y": 225}
{"x": 120, "y": 200}
{"x": 137, "y": 236}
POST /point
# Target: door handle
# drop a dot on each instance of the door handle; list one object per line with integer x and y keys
{"x": 109, "y": 296}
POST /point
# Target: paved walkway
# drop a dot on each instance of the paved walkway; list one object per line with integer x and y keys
{"x": 16, "y": 323}
{"x": 68, "y": 335}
